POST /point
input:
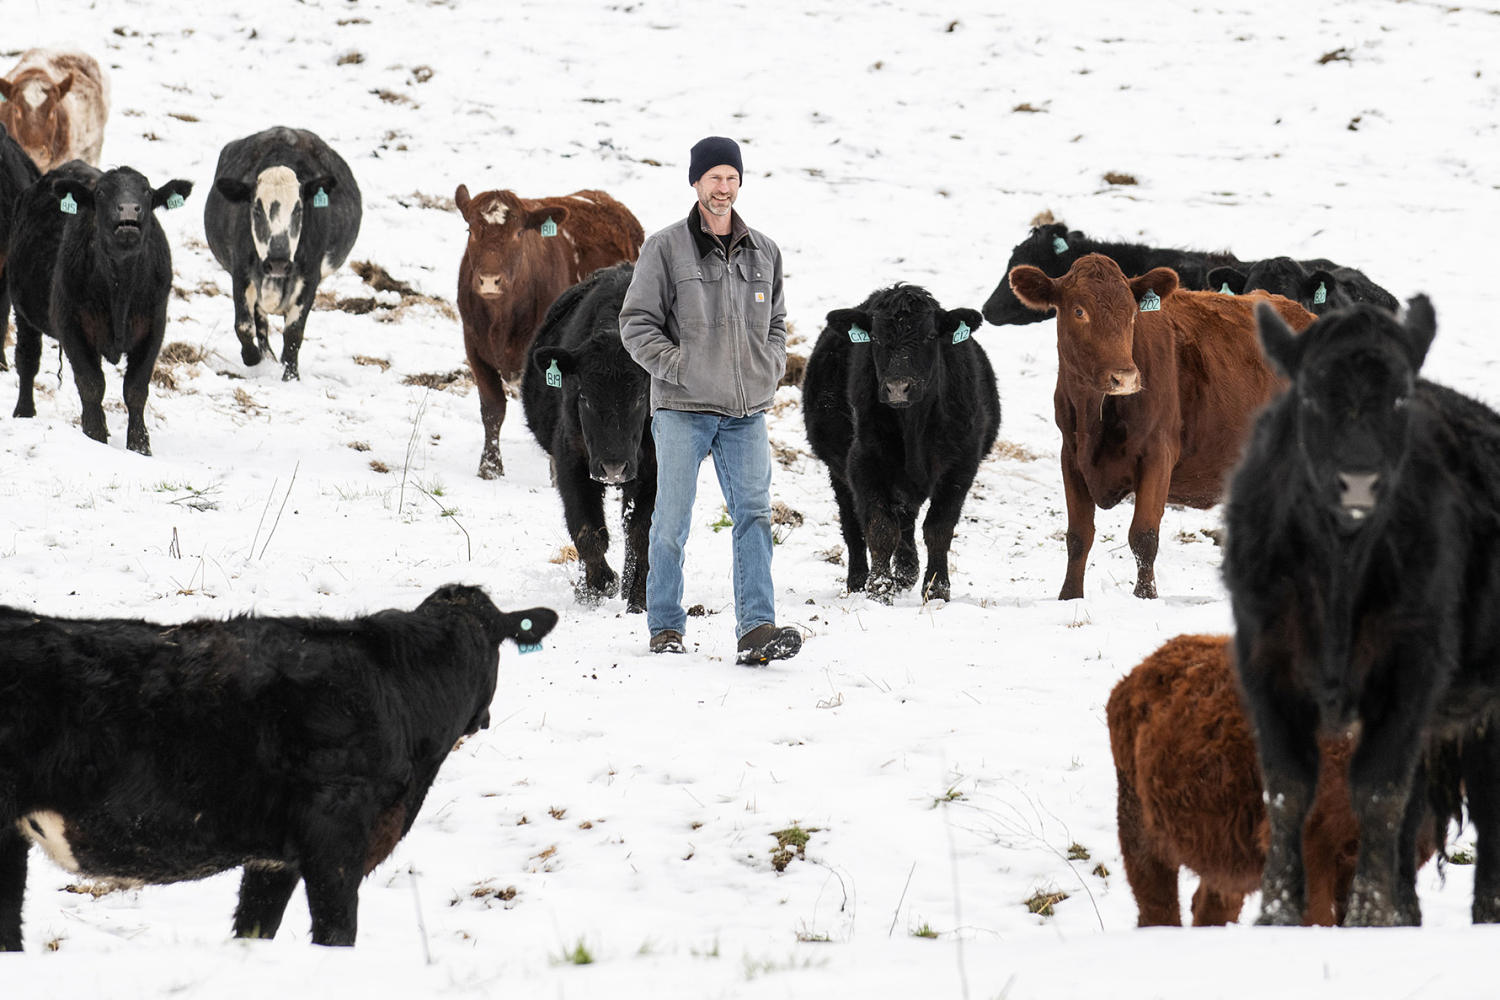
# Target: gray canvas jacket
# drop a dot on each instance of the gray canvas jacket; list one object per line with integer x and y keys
{"x": 710, "y": 331}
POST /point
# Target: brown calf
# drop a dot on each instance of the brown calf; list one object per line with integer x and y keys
{"x": 55, "y": 104}
{"x": 1156, "y": 387}
{"x": 1190, "y": 793}
{"x": 522, "y": 254}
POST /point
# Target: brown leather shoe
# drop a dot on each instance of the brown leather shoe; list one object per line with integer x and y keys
{"x": 765, "y": 643}
{"x": 668, "y": 640}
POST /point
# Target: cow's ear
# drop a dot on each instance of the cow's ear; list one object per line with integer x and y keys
{"x": 314, "y": 185}
{"x": 5, "y": 88}
{"x": 1033, "y": 287}
{"x": 955, "y": 325}
{"x": 538, "y": 218}
{"x": 545, "y": 357}
{"x": 64, "y": 87}
{"x": 69, "y": 187}
{"x": 1420, "y": 324}
{"x": 171, "y": 194}
{"x": 1318, "y": 288}
{"x": 1281, "y": 345}
{"x": 234, "y": 190}
{"x": 1227, "y": 280}
{"x": 1161, "y": 280}
{"x": 852, "y": 323}
{"x": 461, "y": 200}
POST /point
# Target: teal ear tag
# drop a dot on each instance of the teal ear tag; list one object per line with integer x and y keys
{"x": 858, "y": 336}
{"x": 174, "y": 200}
{"x": 320, "y": 200}
{"x": 1150, "y": 302}
{"x": 549, "y": 228}
{"x": 554, "y": 375}
{"x": 962, "y": 333}
{"x": 1059, "y": 245}
{"x": 529, "y": 647}
{"x": 1321, "y": 295}
{"x": 68, "y": 206}
{"x": 1224, "y": 289}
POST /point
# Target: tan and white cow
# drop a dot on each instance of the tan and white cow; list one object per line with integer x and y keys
{"x": 54, "y": 103}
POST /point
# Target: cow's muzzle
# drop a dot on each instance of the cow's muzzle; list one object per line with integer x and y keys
{"x": 1123, "y": 382}
{"x": 899, "y": 392}
{"x": 278, "y": 267}
{"x": 487, "y": 285}
{"x": 1357, "y": 493}
{"x": 612, "y": 473}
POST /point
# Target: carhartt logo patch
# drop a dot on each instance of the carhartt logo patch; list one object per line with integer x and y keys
{"x": 760, "y": 296}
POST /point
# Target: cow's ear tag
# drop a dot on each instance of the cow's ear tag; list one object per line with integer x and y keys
{"x": 554, "y": 376}
{"x": 320, "y": 200}
{"x": 529, "y": 647}
{"x": 1150, "y": 302}
{"x": 68, "y": 206}
{"x": 1321, "y": 295}
{"x": 858, "y": 336}
{"x": 962, "y": 333}
{"x": 1059, "y": 245}
{"x": 174, "y": 200}
{"x": 534, "y": 647}
{"x": 549, "y": 228}
{"x": 1224, "y": 289}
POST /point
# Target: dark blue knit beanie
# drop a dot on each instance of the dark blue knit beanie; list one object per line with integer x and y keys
{"x": 712, "y": 152}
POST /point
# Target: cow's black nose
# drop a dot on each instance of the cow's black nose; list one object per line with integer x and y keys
{"x": 278, "y": 268}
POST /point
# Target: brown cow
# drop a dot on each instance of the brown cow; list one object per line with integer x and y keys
{"x": 522, "y": 254}
{"x": 1156, "y": 387}
{"x": 1190, "y": 793}
{"x": 54, "y": 104}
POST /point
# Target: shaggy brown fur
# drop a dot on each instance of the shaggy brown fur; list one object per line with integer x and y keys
{"x": 511, "y": 272}
{"x": 1156, "y": 403}
{"x": 1190, "y": 793}
{"x": 55, "y": 105}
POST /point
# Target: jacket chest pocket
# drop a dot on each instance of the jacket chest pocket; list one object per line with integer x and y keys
{"x": 700, "y": 290}
{"x": 756, "y": 281}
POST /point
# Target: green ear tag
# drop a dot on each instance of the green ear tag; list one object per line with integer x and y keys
{"x": 529, "y": 647}
{"x": 525, "y": 624}
{"x": 174, "y": 200}
{"x": 320, "y": 200}
{"x": 68, "y": 206}
{"x": 1224, "y": 289}
{"x": 549, "y": 228}
{"x": 1150, "y": 302}
{"x": 858, "y": 336}
{"x": 1059, "y": 245}
{"x": 962, "y": 333}
{"x": 554, "y": 375}
{"x": 1321, "y": 295}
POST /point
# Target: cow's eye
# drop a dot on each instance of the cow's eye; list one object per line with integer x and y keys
{"x": 1078, "y": 311}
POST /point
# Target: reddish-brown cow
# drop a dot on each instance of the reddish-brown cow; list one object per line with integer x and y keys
{"x": 55, "y": 104}
{"x": 1190, "y": 794}
{"x": 522, "y": 254}
{"x": 1156, "y": 388}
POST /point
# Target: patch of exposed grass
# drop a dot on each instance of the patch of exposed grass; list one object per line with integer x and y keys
{"x": 1043, "y": 900}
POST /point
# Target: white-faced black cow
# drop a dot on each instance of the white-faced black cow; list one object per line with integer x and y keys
{"x": 90, "y": 266}
{"x": 589, "y": 405}
{"x": 283, "y": 215}
{"x": 299, "y": 748}
{"x": 901, "y": 405}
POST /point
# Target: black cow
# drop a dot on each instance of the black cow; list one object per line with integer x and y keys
{"x": 17, "y": 173}
{"x": 1363, "y": 566}
{"x": 299, "y": 748}
{"x": 283, "y": 214}
{"x": 901, "y": 405}
{"x": 1054, "y": 249}
{"x": 589, "y": 405}
{"x": 1318, "y": 285}
{"x": 91, "y": 267}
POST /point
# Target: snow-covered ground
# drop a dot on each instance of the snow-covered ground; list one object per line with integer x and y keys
{"x": 947, "y": 762}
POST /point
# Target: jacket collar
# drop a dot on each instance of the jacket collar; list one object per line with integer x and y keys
{"x": 707, "y": 242}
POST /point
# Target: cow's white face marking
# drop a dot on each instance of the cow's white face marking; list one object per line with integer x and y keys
{"x": 276, "y": 214}
{"x": 34, "y": 93}
{"x": 46, "y": 828}
{"x": 496, "y": 213}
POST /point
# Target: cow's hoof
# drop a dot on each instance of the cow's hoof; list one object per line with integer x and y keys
{"x": 935, "y": 590}
{"x": 290, "y": 374}
{"x": 491, "y": 468}
{"x": 1146, "y": 590}
{"x": 24, "y": 412}
{"x": 250, "y": 354}
{"x": 634, "y": 608}
{"x": 881, "y": 588}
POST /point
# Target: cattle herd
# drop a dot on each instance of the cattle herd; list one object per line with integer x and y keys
{"x": 1319, "y": 754}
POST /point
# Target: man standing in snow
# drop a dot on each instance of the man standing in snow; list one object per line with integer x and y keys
{"x": 705, "y": 317}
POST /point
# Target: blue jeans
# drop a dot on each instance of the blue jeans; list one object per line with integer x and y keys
{"x": 742, "y": 458}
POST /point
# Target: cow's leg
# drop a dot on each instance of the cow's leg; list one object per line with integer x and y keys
{"x": 28, "y": 363}
{"x": 583, "y": 510}
{"x": 141, "y": 364}
{"x": 88, "y": 373}
{"x": 1145, "y": 525}
{"x": 937, "y": 529}
{"x": 1080, "y": 534}
{"x": 291, "y": 331}
{"x": 247, "y": 318}
{"x": 264, "y": 892}
{"x": 905, "y": 563}
{"x": 332, "y": 855}
{"x": 882, "y": 535}
{"x": 4, "y": 311}
{"x": 1214, "y": 905}
{"x": 13, "y": 848}
{"x": 1152, "y": 877}
{"x": 637, "y": 501}
{"x": 1481, "y": 770}
{"x": 491, "y": 409}
{"x": 853, "y": 532}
